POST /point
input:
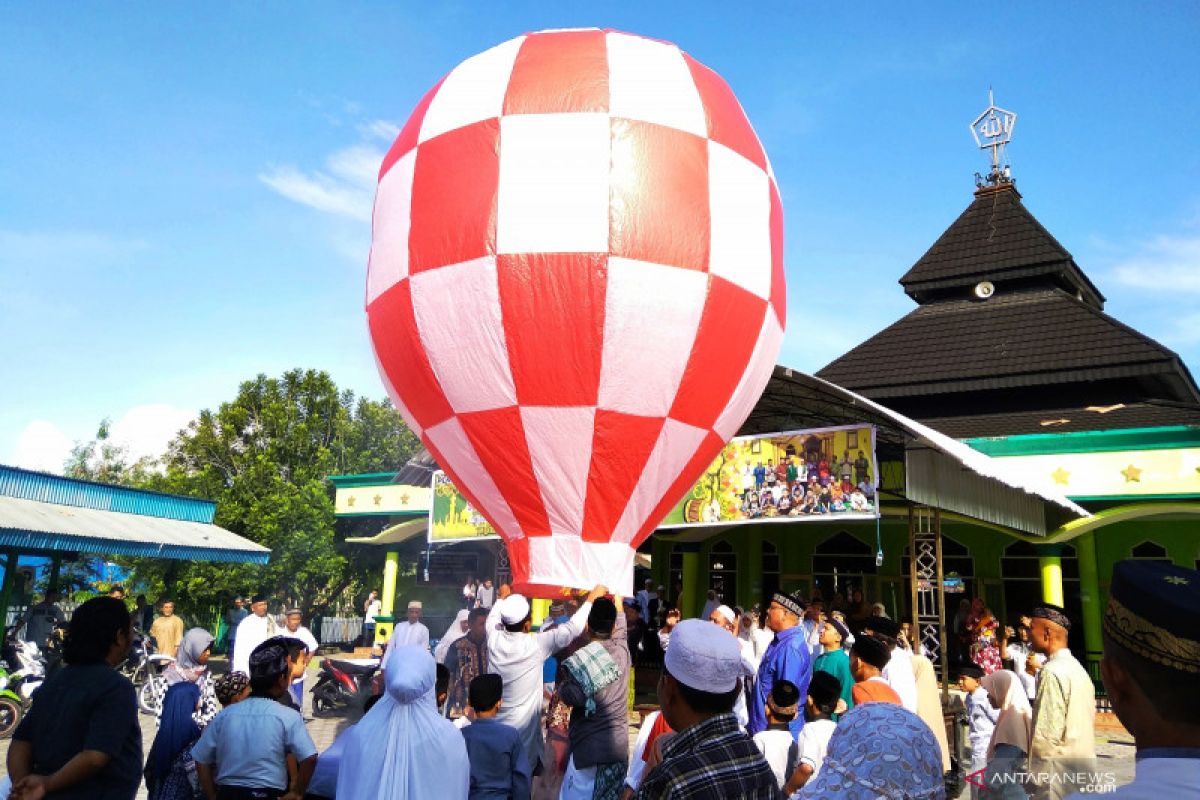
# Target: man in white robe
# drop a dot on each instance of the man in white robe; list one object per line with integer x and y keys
{"x": 410, "y": 632}
{"x": 517, "y": 656}
{"x": 899, "y": 672}
{"x": 253, "y": 631}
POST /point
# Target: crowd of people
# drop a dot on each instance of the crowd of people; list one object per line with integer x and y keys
{"x": 801, "y": 706}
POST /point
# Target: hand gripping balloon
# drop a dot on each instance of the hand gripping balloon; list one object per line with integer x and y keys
{"x": 576, "y": 289}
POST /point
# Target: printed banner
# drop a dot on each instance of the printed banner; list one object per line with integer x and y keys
{"x": 451, "y": 517}
{"x": 793, "y": 476}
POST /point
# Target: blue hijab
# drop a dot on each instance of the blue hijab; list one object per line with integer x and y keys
{"x": 176, "y": 729}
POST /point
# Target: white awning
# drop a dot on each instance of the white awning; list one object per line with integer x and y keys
{"x": 940, "y": 472}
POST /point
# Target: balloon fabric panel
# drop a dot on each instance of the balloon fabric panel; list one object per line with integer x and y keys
{"x": 659, "y": 203}
{"x": 576, "y": 288}
{"x": 558, "y": 297}
{"x": 456, "y": 178}
{"x": 560, "y": 72}
{"x": 620, "y": 450}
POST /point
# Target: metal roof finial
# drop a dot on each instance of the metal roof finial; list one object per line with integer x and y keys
{"x": 993, "y": 131}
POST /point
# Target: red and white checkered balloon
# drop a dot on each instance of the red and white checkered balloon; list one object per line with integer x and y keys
{"x": 576, "y": 289}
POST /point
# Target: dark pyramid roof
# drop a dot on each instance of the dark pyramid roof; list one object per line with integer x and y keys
{"x": 998, "y": 240}
{"x": 1025, "y": 338}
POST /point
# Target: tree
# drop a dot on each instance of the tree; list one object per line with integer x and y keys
{"x": 263, "y": 458}
{"x": 105, "y": 461}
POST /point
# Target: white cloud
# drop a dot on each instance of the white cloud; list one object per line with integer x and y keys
{"x": 143, "y": 431}
{"x": 1168, "y": 264}
{"x": 42, "y": 446}
{"x": 345, "y": 187}
{"x": 319, "y": 191}
{"x": 146, "y": 430}
{"x": 381, "y": 129}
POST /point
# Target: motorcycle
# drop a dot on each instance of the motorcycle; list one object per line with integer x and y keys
{"x": 342, "y": 685}
{"x": 137, "y": 666}
{"x": 28, "y": 667}
{"x": 12, "y": 707}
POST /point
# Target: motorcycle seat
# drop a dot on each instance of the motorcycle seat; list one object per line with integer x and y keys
{"x": 352, "y": 668}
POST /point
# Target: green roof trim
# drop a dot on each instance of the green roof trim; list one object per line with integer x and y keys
{"x": 365, "y": 479}
{"x": 1037, "y": 444}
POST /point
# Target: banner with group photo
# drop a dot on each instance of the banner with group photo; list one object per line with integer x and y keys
{"x": 792, "y": 476}
{"x": 452, "y": 518}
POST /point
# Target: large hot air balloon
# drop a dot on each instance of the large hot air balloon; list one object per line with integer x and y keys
{"x": 576, "y": 289}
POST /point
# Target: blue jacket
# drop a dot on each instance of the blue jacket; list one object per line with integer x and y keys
{"x": 787, "y": 658}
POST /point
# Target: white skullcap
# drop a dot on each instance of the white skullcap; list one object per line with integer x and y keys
{"x": 514, "y": 609}
{"x": 726, "y": 612}
{"x": 704, "y": 657}
{"x": 415, "y": 604}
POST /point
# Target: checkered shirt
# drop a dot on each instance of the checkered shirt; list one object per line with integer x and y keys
{"x": 576, "y": 288}
{"x": 712, "y": 759}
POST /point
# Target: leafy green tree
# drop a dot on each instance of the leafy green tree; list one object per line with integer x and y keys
{"x": 264, "y": 457}
{"x": 106, "y": 461}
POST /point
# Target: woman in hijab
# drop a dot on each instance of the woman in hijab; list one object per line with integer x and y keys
{"x": 170, "y": 771}
{"x": 191, "y": 666}
{"x": 457, "y": 630}
{"x": 1011, "y": 737}
{"x": 403, "y": 749}
{"x": 879, "y": 750}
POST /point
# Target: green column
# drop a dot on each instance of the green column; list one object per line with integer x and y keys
{"x": 750, "y": 586}
{"x": 1089, "y": 594}
{"x": 387, "y": 600}
{"x": 10, "y": 578}
{"x": 1050, "y": 563}
{"x": 690, "y": 605}
{"x": 55, "y": 569}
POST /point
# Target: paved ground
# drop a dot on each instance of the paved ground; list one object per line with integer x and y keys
{"x": 1114, "y": 747}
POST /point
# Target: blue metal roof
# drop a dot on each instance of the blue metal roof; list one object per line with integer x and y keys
{"x": 46, "y": 488}
{"x": 49, "y": 513}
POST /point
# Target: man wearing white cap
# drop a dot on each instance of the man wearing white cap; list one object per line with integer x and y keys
{"x": 723, "y": 617}
{"x": 709, "y": 756}
{"x": 517, "y": 657}
{"x": 410, "y": 632}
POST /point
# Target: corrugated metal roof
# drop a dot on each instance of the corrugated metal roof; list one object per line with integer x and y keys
{"x": 40, "y": 525}
{"x": 46, "y": 488}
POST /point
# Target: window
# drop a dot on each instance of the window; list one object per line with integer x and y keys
{"x": 1149, "y": 551}
{"x": 842, "y": 562}
{"x": 722, "y": 572}
{"x": 770, "y": 569}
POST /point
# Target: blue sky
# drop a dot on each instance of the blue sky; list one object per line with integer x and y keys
{"x": 185, "y": 188}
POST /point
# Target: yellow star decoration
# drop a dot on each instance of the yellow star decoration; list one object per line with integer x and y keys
{"x": 1132, "y": 474}
{"x": 1061, "y": 476}
{"x": 378, "y": 499}
{"x": 404, "y": 499}
{"x": 1176, "y": 579}
{"x": 350, "y": 500}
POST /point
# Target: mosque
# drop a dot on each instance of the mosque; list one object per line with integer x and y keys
{"x": 1009, "y": 351}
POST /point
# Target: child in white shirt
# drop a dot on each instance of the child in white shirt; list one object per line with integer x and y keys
{"x": 824, "y": 694}
{"x": 776, "y": 743}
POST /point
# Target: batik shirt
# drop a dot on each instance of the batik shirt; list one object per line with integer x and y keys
{"x": 711, "y": 759}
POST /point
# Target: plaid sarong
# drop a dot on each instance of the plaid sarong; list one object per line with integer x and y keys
{"x": 592, "y": 668}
